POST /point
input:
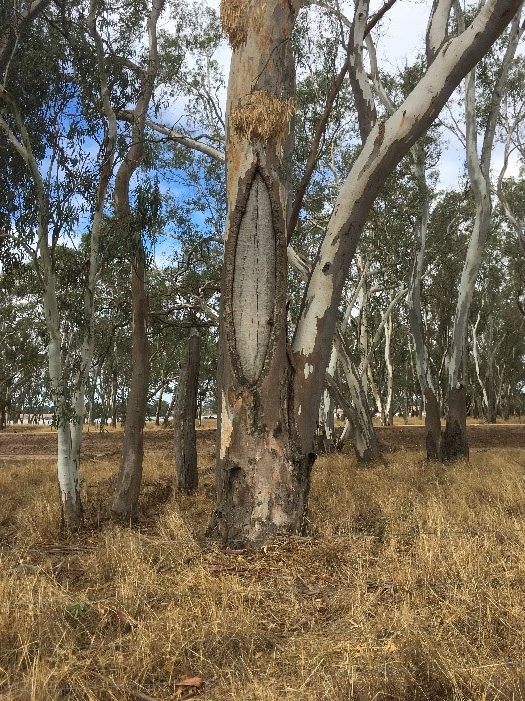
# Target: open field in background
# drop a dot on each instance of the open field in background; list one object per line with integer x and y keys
{"x": 27, "y": 442}
{"x": 411, "y": 584}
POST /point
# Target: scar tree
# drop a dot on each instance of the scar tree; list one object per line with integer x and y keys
{"x": 302, "y": 235}
{"x": 271, "y": 388}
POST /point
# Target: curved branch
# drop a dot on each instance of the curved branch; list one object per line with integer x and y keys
{"x": 176, "y": 137}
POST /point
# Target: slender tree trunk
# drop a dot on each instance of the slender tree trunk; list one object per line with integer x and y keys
{"x": 184, "y": 418}
{"x": 492, "y": 399}
{"x": 127, "y": 488}
{"x": 479, "y": 174}
{"x": 170, "y": 410}
{"x": 114, "y": 403}
{"x": 360, "y": 426}
{"x": 375, "y": 393}
{"x": 3, "y": 403}
{"x": 68, "y": 456}
{"x": 389, "y": 405}
{"x": 158, "y": 410}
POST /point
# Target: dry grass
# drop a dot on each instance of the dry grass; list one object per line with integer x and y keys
{"x": 233, "y": 20}
{"x": 412, "y": 586}
{"x": 262, "y": 117}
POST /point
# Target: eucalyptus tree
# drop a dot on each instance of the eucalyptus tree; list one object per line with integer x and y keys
{"x": 270, "y": 392}
{"x": 128, "y": 482}
{"x": 512, "y": 126}
{"x": 22, "y": 344}
{"x": 45, "y": 120}
{"x": 496, "y": 331}
{"x": 454, "y": 441}
{"x": 15, "y": 19}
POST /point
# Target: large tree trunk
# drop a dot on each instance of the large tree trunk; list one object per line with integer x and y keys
{"x": 184, "y": 418}
{"x": 127, "y": 488}
{"x": 270, "y": 398}
{"x": 263, "y": 475}
{"x": 454, "y": 443}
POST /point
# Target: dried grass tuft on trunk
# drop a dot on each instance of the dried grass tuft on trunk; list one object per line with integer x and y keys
{"x": 262, "y": 117}
{"x": 233, "y": 21}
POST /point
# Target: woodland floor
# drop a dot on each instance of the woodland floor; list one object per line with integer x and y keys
{"x": 22, "y": 442}
{"x": 410, "y": 586}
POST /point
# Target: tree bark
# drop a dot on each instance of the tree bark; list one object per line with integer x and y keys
{"x": 184, "y": 418}
{"x": 364, "y": 438}
{"x": 432, "y": 425}
{"x": 127, "y": 488}
{"x": 389, "y": 404}
{"x": 169, "y": 411}
{"x": 3, "y": 414}
{"x": 454, "y": 443}
{"x": 114, "y": 392}
{"x": 263, "y": 475}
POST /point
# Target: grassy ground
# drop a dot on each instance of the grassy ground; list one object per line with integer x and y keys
{"x": 411, "y": 586}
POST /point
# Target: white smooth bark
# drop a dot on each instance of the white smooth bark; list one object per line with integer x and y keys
{"x": 479, "y": 175}
{"x": 386, "y": 144}
{"x": 389, "y": 369}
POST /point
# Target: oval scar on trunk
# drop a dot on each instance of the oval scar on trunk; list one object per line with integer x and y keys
{"x": 253, "y": 294}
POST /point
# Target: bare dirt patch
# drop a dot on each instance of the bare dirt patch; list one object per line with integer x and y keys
{"x": 41, "y": 444}
{"x": 16, "y": 445}
{"x": 480, "y": 436}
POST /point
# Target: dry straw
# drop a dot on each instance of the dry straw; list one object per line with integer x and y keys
{"x": 262, "y": 117}
{"x": 233, "y": 21}
{"x": 409, "y": 607}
